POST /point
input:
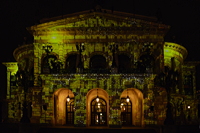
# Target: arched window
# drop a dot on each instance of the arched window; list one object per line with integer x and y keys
{"x": 48, "y": 63}
{"x": 126, "y": 112}
{"x": 71, "y": 63}
{"x": 124, "y": 63}
{"x": 98, "y": 110}
{"x": 70, "y": 112}
{"x": 98, "y": 63}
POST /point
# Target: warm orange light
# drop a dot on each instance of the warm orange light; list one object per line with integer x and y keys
{"x": 68, "y": 98}
{"x": 127, "y": 99}
{"x": 97, "y": 99}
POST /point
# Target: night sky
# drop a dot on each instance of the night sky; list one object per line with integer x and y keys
{"x": 182, "y": 15}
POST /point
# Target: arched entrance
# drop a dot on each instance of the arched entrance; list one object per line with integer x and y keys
{"x": 97, "y": 110}
{"x": 126, "y": 112}
{"x": 70, "y": 112}
{"x": 132, "y": 112}
{"x": 63, "y": 109}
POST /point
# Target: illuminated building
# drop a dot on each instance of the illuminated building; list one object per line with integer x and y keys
{"x": 101, "y": 68}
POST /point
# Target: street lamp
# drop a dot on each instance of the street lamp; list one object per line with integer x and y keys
{"x": 189, "y": 107}
{"x": 168, "y": 80}
{"x": 23, "y": 80}
{"x": 97, "y": 98}
{"x": 68, "y": 98}
{"x": 80, "y": 48}
{"x": 127, "y": 98}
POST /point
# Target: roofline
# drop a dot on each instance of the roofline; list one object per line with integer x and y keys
{"x": 125, "y": 14}
{"x": 106, "y": 11}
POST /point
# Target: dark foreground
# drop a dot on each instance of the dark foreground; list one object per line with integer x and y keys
{"x": 43, "y": 128}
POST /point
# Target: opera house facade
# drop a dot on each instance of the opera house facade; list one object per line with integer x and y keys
{"x": 101, "y": 68}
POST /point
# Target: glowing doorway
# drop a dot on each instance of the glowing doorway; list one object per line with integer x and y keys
{"x": 70, "y": 112}
{"x": 90, "y": 103}
{"x": 134, "y": 107}
{"x": 126, "y": 112}
{"x": 98, "y": 112}
{"x": 62, "y": 108}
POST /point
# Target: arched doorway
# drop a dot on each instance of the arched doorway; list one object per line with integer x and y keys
{"x": 126, "y": 112}
{"x": 70, "y": 112}
{"x": 98, "y": 112}
{"x": 92, "y": 107}
{"x": 63, "y": 109}
{"x": 134, "y": 108}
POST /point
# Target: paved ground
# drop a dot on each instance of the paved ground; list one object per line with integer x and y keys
{"x": 95, "y": 130}
{"x": 33, "y": 128}
{"x": 43, "y": 128}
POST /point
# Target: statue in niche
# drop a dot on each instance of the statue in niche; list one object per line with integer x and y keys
{"x": 55, "y": 65}
{"x": 47, "y": 63}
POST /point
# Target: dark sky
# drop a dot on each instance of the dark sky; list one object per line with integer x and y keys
{"x": 182, "y": 15}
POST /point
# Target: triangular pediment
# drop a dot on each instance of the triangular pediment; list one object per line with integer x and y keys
{"x": 103, "y": 19}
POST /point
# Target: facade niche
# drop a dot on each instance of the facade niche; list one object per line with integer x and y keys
{"x": 48, "y": 64}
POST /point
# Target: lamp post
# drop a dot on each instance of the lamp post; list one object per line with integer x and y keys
{"x": 23, "y": 80}
{"x": 168, "y": 80}
{"x": 80, "y": 48}
{"x": 189, "y": 117}
{"x": 114, "y": 49}
{"x": 68, "y": 98}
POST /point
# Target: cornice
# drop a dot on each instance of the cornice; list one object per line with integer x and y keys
{"x": 104, "y": 31}
{"x": 21, "y": 49}
{"x": 122, "y": 41}
{"x": 176, "y": 47}
{"x": 10, "y": 64}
